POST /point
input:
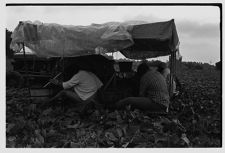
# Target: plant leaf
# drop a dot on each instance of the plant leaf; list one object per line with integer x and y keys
{"x": 74, "y": 126}
{"x": 47, "y": 111}
{"x": 74, "y": 145}
{"x": 9, "y": 127}
{"x": 110, "y": 136}
{"x": 160, "y": 137}
{"x": 185, "y": 139}
{"x": 12, "y": 138}
{"x": 119, "y": 132}
{"x": 125, "y": 145}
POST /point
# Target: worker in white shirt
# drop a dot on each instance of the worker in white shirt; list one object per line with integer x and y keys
{"x": 82, "y": 86}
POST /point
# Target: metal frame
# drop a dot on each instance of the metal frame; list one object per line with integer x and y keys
{"x": 172, "y": 71}
{"x": 28, "y": 75}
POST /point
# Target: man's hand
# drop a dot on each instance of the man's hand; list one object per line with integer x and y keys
{"x": 54, "y": 81}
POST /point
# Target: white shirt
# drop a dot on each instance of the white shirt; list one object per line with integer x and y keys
{"x": 85, "y": 84}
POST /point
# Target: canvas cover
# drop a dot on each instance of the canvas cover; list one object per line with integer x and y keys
{"x": 153, "y": 40}
{"x": 134, "y": 41}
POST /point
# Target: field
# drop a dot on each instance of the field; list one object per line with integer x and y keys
{"x": 195, "y": 120}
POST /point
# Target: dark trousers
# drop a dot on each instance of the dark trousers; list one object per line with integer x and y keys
{"x": 142, "y": 103}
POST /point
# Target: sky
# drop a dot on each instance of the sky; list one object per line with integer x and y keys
{"x": 197, "y": 26}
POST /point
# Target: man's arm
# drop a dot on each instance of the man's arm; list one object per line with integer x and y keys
{"x": 56, "y": 82}
{"x": 72, "y": 82}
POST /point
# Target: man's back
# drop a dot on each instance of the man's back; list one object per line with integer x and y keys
{"x": 153, "y": 85}
{"x": 84, "y": 83}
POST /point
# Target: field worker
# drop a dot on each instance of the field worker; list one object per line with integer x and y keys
{"x": 153, "y": 91}
{"x": 81, "y": 87}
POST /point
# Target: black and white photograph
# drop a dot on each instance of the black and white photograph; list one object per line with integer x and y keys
{"x": 113, "y": 75}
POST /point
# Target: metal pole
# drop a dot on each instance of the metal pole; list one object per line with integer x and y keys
{"x": 24, "y": 55}
{"x": 175, "y": 63}
{"x": 63, "y": 62}
{"x": 26, "y": 70}
{"x": 172, "y": 63}
{"x": 174, "y": 70}
{"x": 171, "y": 80}
{"x": 24, "y": 60}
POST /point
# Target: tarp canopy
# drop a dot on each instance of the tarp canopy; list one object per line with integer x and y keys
{"x": 153, "y": 40}
{"x": 134, "y": 41}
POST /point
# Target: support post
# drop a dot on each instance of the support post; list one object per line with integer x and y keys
{"x": 63, "y": 60}
{"x": 172, "y": 71}
{"x": 25, "y": 63}
{"x": 170, "y": 61}
{"x": 24, "y": 56}
{"x": 26, "y": 71}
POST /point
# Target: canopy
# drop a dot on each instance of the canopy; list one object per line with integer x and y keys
{"x": 134, "y": 41}
{"x": 153, "y": 40}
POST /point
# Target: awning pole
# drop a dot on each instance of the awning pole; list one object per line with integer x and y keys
{"x": 175, "y": 63}
{"x": 24, "y": 58}
{"x": 63, "y": 62}
{"x": 172, "y": 71}
{"x": 24, "y": 55}
{"x": 27, "y": 81}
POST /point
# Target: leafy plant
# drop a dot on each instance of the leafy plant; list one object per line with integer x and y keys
{"x": 194, "y": 120}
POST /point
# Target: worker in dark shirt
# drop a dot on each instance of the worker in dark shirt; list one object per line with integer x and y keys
{"x": 153, "y": 91}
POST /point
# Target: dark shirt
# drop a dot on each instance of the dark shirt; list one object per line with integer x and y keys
{"x": 153, "y": 85}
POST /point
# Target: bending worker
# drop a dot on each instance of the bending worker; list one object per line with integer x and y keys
{"x": 153, "y": 91}
{"x": 81, "y": 87}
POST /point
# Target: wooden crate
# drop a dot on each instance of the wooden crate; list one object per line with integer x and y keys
{"x": 40, "y": 94}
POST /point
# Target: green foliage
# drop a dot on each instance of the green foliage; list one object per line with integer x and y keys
{"x": 219, "y": 65}
{"x": 194, "y": 121}
{"x": 196, "y": 65}
{"x": 193, "y": 65}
